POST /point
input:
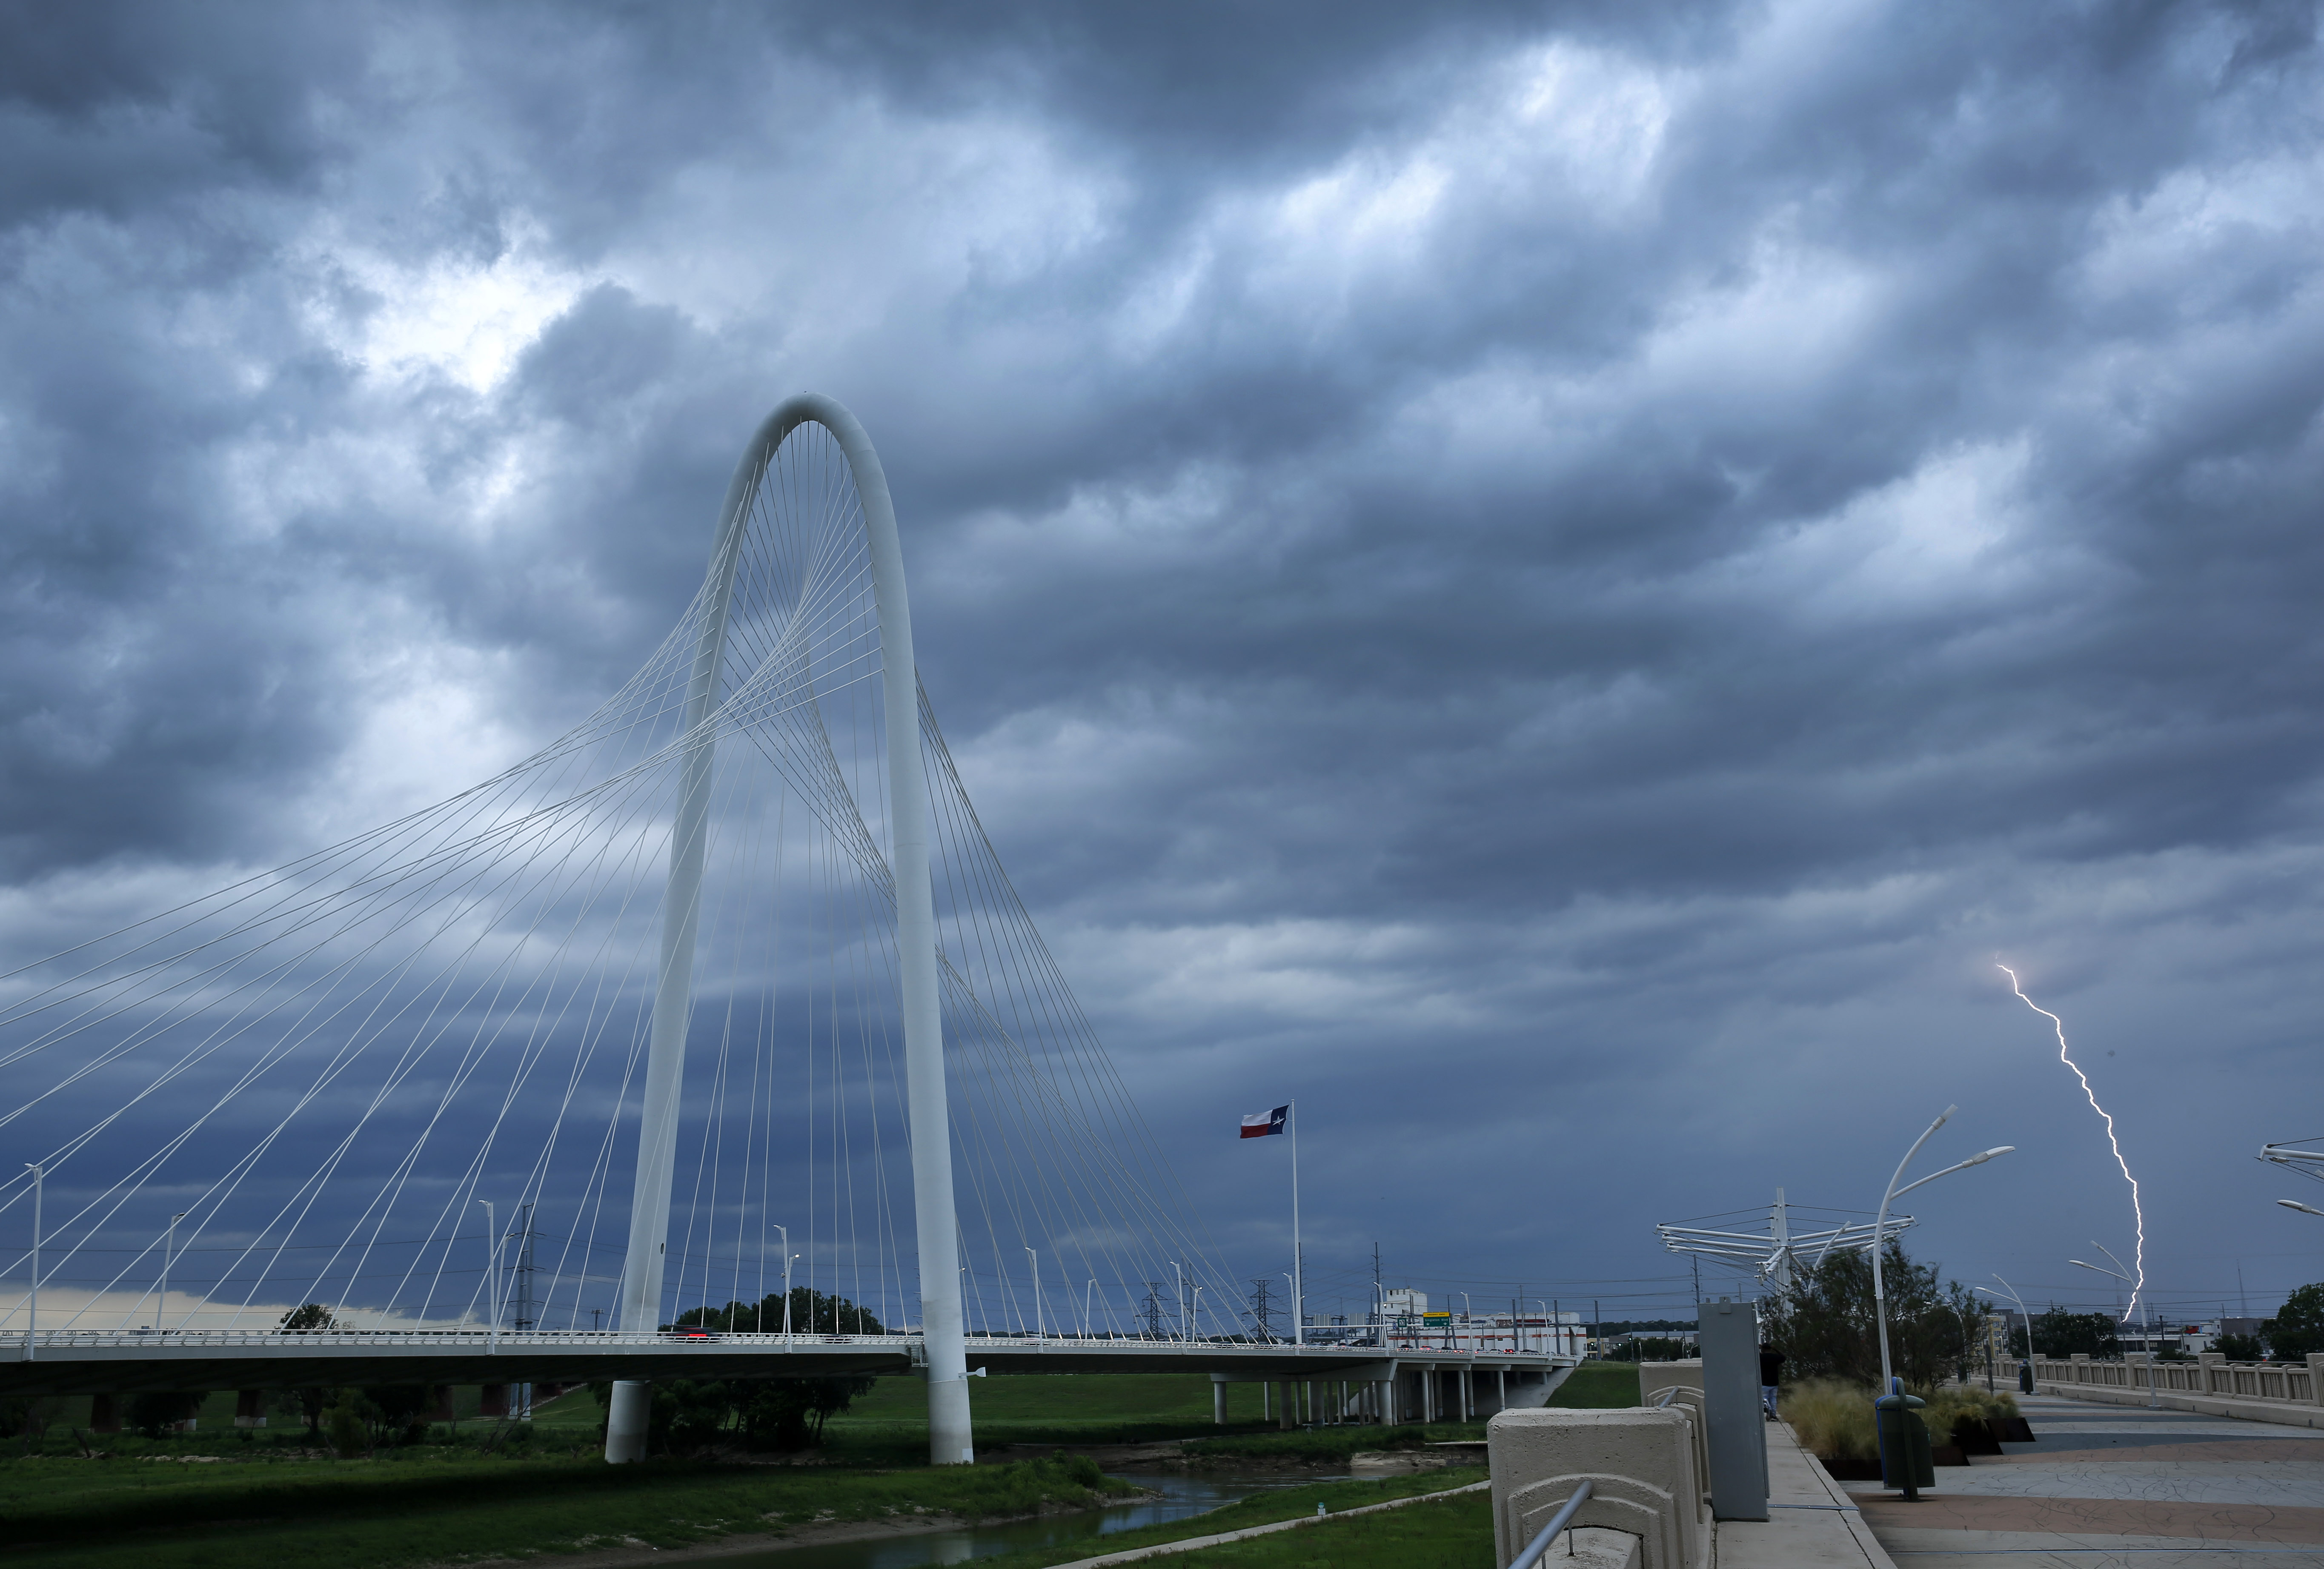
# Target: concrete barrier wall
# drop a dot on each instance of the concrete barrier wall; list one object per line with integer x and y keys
{"x": 2286, "y": 1392}
{"x": 2208, "y": 1374}
{"x": 1643, "y": 1465}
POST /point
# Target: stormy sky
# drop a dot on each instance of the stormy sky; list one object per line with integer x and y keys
{"x": 1559, "y": 583}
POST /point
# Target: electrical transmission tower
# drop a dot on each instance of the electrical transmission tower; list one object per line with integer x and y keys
{"x": 1261, "y": 1314}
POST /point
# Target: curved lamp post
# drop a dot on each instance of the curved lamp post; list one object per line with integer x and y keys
{"x": 1880, "y": 1225}
{"x": 2306, "y": 1209}
{"x": 2153, "y": 1399}
{"x": 2025, "y": 1364}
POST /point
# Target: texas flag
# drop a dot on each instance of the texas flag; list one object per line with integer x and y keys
{"x": 1259, "y": 1124}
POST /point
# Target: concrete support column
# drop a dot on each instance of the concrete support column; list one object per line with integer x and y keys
{"x": 249, "y": 1409}
{"x": 105, "y": 1414}
{"x": 1218, "y": 1400}
{"x": 626, "y": 1419}
{"x": 1284, "y": 1410}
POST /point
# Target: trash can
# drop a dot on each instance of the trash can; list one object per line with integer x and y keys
{"x": 1904, "y": 1462}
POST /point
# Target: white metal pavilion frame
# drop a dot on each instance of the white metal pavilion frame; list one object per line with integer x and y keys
{"x": 1770, "y": 1256}
{"x": 2307, "y": 1162}
{"x": 951, "y": 1440}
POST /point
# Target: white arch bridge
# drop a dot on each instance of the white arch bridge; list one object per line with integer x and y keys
{"x": 718, "y": 1008}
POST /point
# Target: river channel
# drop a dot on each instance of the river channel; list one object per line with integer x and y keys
{"x": 1181, "y": 1497}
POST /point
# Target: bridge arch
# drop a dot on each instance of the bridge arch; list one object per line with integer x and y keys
{"x": 950, "y": 1436}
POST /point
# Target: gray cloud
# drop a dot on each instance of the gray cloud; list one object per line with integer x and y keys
{"x": 1565, "y": 577}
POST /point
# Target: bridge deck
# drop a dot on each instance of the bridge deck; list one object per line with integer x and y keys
{"x": 71, "y": 1362}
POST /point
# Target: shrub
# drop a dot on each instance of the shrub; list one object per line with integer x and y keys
{"x": 1954, "y": 1403}
{"x": 1831, "y": 1418}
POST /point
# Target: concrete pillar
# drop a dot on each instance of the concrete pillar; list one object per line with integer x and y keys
{"x": 494, "y": 1400}
{"x": 1218, "y": 1400}
{"x": 440, "y": 1404}
{"x": 105, "y": 1414}
{"x": 249, "y": 1409}
{"x": 1290, "y": 1392}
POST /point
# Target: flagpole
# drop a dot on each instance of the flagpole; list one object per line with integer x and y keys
{"x": 1298, "y": 1279}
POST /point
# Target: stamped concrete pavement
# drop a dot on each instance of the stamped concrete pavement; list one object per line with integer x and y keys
{"x": 2105, "y": 1485}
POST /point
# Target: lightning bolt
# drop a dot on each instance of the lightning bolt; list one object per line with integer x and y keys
{"x": 2138, "y": 1213}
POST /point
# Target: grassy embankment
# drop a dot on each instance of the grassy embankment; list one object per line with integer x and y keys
{"x": 1314, "y": 1544}
{"x": 419, "y": 1508}
{"x": 268, "y": 1503}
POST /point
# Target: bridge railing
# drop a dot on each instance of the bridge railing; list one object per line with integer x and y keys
{"x": 608, "y": 1340}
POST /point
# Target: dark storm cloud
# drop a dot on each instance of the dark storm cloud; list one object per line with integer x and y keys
{"x": 1635, "y": 547}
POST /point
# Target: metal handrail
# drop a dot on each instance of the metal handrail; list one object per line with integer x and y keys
{"x": 1557, "y": 1522}
{"x": 1667, "y": 1396}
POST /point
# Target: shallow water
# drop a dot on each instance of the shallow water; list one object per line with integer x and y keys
{"x": 1182, "y": 1497}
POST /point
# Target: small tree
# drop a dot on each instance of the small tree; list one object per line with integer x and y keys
{"x": 2060, "y": 1334}
{"x": 1823, "y": 1321}
{"x": 2298, "y": 1327}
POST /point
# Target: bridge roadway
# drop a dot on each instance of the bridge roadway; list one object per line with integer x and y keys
{"x": 99, "y": 1362}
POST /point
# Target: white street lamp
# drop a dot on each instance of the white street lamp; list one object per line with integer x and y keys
{"x": 2025, "y": 1364}
{"x": 2153, "y": 1399}
{"x": 788, "y": 1258}
{"x": 1880, "y": 1226}
{"x": 492, "y": 1277}
{"x": 33, "y": 1319}
{"x": 169, "y": 1247}
{"x": 2306, "y": 1209}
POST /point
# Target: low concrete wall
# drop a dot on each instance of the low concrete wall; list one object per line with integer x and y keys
{"x": 1642, "y": 1467}
{"x": 2211, "y": 1386}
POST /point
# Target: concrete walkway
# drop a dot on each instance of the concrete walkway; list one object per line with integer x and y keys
{"x": 2106, "y": 1485}
{"x": 1811, "y": 1522}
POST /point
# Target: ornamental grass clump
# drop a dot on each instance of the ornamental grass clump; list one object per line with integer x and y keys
{"x": 1956, "y": 1403}
{"x": 1833, "y": 1418}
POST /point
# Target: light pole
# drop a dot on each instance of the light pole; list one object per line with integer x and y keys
{"x": 1468, "y": 1316}
{"x": 2026, "y": 1366}
{"x": 1180, "y": 1276}
{"x": 1040, "y": 1320}
{"x": 2153, "y": 1400}
{"x": 1880, "y": 1226}
{"x": 1087, "y": 1292}
{"x": 168, "y": 1246}
{"x": 1198, "y": 1303}
{"x": 1542, "y": 1303}
{"x": 33, "y": 1302}
{"x": 492, "y": 1278}
{"x": 2306, "y": 1209}
{"x": 785, "y": 1233}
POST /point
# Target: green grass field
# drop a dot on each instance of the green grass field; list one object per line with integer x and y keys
{"x": 1278, "y": 1504}
{"x": 421, "y": 1507}
{"x": 159, "y": 1501}
{"x": 1455, "y": 1533}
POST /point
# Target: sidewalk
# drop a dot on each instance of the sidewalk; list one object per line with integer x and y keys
{"x": 1811, "y": 1522}
{"x": 2106, "y": 1484}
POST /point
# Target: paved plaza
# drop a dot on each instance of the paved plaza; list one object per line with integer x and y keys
{"x": 2116, "y": 1485}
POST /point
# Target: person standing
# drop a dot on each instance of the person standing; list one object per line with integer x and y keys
{"x": 1771, "y": 1373}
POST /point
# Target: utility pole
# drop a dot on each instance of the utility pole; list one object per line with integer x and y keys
{"x": 1260, "y": 1312}
{"x": 1379, "y": 1303}
{"x": 1154, "y": 1310}
{"x": 524, "y": 1316}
